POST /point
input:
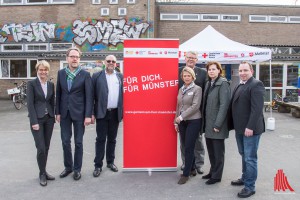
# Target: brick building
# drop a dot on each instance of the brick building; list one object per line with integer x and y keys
{"x": 32, "y": 30}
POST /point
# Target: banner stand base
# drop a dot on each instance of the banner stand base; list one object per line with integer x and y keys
{"x": 149, "y": 170}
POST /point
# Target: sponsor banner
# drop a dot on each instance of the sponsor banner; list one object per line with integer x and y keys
{"x": 150, "y": 93}
{"x": 229, "y": 56}
{"x": 150, "y": 53}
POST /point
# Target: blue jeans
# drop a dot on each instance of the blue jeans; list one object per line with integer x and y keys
{"x": 248, "y": 147}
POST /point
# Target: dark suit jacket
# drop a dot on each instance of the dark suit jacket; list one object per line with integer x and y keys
{"x": 36, "y": 101}
{"x": 78, "y": 100}
{"x": 246, "y": 108}
{"x": 101, "y": 95}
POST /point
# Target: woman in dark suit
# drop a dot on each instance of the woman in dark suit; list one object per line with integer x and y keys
{"x": 188, "y": 120}
{"x": 216, "y": 100}
{"x": 40, "y": 102}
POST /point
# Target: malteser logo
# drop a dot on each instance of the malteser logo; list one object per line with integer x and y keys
{"x": 281, "y": 183}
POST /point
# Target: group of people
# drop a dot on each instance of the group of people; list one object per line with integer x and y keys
{"x": 80, "y": 100}
{"x": 204, "y": 105}
{"x": 207, "y": 106}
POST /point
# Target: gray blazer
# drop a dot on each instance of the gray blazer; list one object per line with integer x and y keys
{"x": 101, "y": 95}
{"x": 36, "y": 101}
{"x": 216, "y": 99}
{"x": 188, "y": 104}
{"x": 246, "y": 108}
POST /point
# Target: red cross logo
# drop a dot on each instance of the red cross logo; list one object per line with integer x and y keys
{"x": 204, "y": 55}
{"x": 251, "y": 54}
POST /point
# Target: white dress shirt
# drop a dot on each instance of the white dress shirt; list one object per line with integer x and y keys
{"x": 113, "y": 90}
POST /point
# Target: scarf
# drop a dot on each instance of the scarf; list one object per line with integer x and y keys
{"x": 185, "y": 89}
{"x": 72, "y": 75}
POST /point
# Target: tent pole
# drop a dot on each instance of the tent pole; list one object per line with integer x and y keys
{"x": 270, "y": 64}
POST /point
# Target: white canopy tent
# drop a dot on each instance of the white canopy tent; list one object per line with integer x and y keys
{"x": 213, "y": 46}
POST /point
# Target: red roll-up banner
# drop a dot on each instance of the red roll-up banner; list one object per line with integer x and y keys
{"x": 150, "y": 93}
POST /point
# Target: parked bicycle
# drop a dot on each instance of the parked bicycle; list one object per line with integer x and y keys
{"x": 18, "y": 94}
{"x": 273, "y": 105}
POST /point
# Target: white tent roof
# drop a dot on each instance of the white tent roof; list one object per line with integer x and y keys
{"x": 213, "y": 46}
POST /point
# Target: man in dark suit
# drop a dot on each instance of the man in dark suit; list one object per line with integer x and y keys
{"x": 191, "y": 59}
{"x": 108, "y": 111}
{"x": 245, "y": 115}
{"x": 73, "y": 106}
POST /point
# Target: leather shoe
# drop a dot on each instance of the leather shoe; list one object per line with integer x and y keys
{"x": 212, "y": 181}
{"x": 97, "y": 172}
{"x": 112, "y": 167}
{"x": 238, "y": 182}
{"x": 200, "y": 170}
{"x": 65, "y": 173}
{"x": 43, "y": 180}
{"x": 183, "y": 180}
{"x": 245, "y": 193}
{"x": 193, "y": 173}
{"x": 207, "y": 176}
{"x": 76, "y": 176}
{"x": 49, "y": 177}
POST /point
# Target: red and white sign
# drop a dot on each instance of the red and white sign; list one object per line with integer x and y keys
{"x": 150, "y": 91}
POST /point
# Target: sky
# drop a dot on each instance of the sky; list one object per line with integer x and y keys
{"x": 271, "y": 2}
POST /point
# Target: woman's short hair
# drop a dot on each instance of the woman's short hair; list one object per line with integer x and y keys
{"x": 43, "y": 63}
{"x": 188, "y": 70}
{"x": 218, "y": 65}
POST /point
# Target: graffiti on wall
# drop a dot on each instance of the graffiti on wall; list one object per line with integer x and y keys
{"x": 33, "y": 32}
{"x": 90, "y": 34}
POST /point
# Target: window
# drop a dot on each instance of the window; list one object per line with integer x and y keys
{"x": 292, "y": 75}
{"x": 277, "y": 75}
{"x": 60, "y": 46}
{"x": 210, "y": 17}
{"x": 113, "y": 1}
{"x": 131, "y": 1}
{"x": 12, "y": 47}
{"x": 278, "y": 19}
{"x": 62, "y": 1}
{"x": 104, "y": 11}
{"x": 96, "y": 1}
{"x": 169, "y": 16}
{"x": 294, "y": 19}
{"x": 190, "y": 17}
{"x": 37, "y": 1}
{"x": 233, "y": 18}
{"x": 122, "y": 11}
{"x": 17, "y": 68}
{"x": 258, "y": 18}
{"x": 292, "y": 95}
{"x": 11, "y": 2}
{"x": 36, "y": 47}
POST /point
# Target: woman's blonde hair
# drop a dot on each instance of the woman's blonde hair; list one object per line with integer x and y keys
{"x": 188, "y": 70}
{"x": 43, "y": 63}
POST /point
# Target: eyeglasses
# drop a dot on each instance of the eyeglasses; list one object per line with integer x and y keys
{"x": 110, "y": 61}
{"x": 73, "y": 57}
{"x": 191, "y": 58}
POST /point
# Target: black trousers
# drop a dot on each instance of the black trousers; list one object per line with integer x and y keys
{"x": 42, "y": 139}
{"x": 189, "y": 132}
{"x": 216, "y": 153}
{"x": 106, "y": 127}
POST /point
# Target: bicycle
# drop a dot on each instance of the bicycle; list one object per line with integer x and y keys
{"x": 18, "y": 94}
{"x": 273, "y": 105}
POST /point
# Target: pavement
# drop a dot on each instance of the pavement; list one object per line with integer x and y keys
{"x": 279, "y": 149}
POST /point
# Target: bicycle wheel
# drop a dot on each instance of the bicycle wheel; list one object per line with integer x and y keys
{"x": 17, "y": 102}
{"x": 24, "y": 100}
{"x": 267, "y": 108}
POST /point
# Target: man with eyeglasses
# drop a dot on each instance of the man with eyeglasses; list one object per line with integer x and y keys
{"x": 108, "y": 112}
{"x": 191, "y": 59}
{"x": 73, "y": 107}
